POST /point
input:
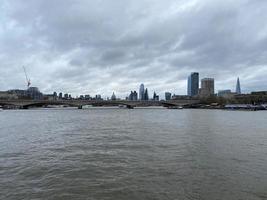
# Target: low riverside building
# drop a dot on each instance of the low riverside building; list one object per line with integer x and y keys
{"x": 259, "y": 93}
{"x": 19, "y": 93}
{"x": 183, "y": 97}
{"x": 227, "y": 94}
{"x": 31, "y": 93}
{"x": 8, "y": 96}
{"x": 253, "y": 98}
{"x": 49, "y": 97}
{"x": 222, "y": 93}
{"x": 245, "y": 107}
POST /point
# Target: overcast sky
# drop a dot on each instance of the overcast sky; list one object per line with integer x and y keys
{"x": 101, "y": 46}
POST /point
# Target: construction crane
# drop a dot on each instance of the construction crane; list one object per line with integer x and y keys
{"x": 26, "y": 76}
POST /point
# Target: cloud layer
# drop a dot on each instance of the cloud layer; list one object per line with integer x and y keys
{"x": 101, "y": 46}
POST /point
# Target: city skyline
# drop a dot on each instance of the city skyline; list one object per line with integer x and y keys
{"x": 195, "y": 87}
{"x": 193, "y": 80}
{"x": 103, "y": 47}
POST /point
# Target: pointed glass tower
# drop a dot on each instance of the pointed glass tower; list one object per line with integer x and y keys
{"x": 238, "y": 87}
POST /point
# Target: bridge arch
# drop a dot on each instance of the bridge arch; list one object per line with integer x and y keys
{"x": 40, "y": 104}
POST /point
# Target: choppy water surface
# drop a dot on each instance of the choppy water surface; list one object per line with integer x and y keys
{"x": 133, "y": 154}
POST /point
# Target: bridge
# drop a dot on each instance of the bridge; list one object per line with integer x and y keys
{"x": 25, "y": 104}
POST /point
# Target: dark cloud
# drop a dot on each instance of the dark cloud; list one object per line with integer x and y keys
{"x": 100, "y": 46}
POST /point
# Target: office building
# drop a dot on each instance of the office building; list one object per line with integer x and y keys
{"x": 21, "y": 94}
{"x": 222, "y": 93}
{"x": 55, "y": 96}
{"x": 193, "y": 84}
{"x": 168, "y": 96}
{"x": 142, "y": 92}
{"x": 98, "y": 97}
{"x": 6, "y": 95}
{"x": 60, "y": 95}
{"x": 34, "y": 93}
{"x": 66, "y": 96}
{"x": 133, "y": 96}
{"x": 87, "y": 97}
{"x": 155, "y": 97}
{"x": 207, "y": 87}
{"x": 227, "y": 94}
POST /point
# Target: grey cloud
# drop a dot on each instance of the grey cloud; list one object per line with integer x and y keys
{"x": 103, "y": 46}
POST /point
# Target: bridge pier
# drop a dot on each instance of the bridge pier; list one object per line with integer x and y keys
{"x": 130, "y": 107}
{"x": 24, "y": 107}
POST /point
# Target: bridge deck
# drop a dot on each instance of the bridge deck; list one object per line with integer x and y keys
{"x": 80, "y": 103}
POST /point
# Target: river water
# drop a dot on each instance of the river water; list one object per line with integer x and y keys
{"x": 104, "y": 154}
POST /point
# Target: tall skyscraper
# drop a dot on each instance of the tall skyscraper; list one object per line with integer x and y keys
{"x": 193, "y": 84}
{"x": 207, "y": 87}
{"x": 238, "y": 87}
{"x": 142, "y": 92}
{"x": 146, "y": 96}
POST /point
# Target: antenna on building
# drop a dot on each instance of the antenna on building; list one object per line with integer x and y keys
{"x": 26, "y": 76}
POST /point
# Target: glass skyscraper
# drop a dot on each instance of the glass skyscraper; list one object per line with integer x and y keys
{"x": 142, "y": 92}
{"x": 238, "y": 87}
{"x": 193, "y": 84}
